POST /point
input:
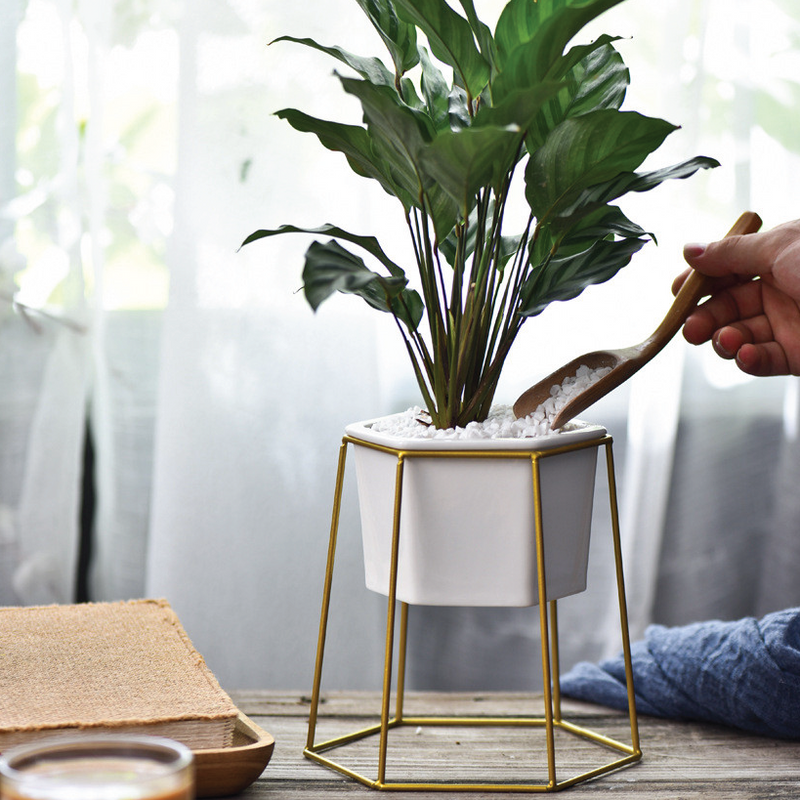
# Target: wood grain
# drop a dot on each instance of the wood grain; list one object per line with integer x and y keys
{"x": 681, "y": 759}
{"x": 225, "y": 771}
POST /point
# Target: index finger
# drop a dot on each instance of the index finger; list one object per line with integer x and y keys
{"x": 743, "y": 253}
{"x": 714, "y": 286}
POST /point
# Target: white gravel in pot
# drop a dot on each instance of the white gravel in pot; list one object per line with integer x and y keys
{"x": 501, "y": 423}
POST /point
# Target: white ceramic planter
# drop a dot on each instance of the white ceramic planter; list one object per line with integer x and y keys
{"x": 467, "y": 525}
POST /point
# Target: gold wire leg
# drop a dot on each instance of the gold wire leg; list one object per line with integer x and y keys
{"x": 545, "y": 638}
{"x": 390, "y": 622}
{"x": 401, "y": 663}
{"x": 623, "y": 606}
{"x": 556, "y": 661}
{"x": 326, "y": 596}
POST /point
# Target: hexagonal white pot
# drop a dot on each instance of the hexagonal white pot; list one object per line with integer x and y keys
{"x": 467, "y": 525}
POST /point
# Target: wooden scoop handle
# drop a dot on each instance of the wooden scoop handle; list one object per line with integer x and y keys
{"x": 696, "y": 285}
{"x": 626, "y": 362}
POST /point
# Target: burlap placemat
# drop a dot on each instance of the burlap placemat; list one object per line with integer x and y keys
{"x": 107, "y": 664}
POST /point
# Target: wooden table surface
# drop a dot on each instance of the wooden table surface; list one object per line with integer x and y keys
{"x": 680, "y": 761}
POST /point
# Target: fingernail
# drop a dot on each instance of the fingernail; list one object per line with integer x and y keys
{"x": 719, "y": 349}
{"x": 694, "y": 250}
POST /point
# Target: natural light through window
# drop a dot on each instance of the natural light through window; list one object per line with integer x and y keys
{"x": 95, "y": 154}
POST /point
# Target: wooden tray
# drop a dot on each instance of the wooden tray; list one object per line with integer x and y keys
{"x": 229, "y": 770}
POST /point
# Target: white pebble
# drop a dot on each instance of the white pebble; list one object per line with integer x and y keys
{"x": 501, "y": 423}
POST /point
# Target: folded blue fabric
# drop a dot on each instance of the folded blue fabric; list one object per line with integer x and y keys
{"x": 745, "y": 674}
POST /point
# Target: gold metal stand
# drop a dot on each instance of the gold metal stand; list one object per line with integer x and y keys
{"x": 552, "y": 719}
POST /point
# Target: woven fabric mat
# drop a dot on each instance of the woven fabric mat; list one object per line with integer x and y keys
{"x": 112, "y": 662}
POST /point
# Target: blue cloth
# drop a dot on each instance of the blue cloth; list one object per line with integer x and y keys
{"x": 745, "y": 674}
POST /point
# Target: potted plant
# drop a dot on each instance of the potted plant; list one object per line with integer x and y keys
{"x": 460, "y": 131}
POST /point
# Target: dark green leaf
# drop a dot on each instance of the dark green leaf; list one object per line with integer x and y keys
{"x": 368, "y": 243}
{"x": 562, "y": 278}
{"x": 549, "y": 24}
{"x": 408, "y": 308}
{"x": 442, "y": 208}
{"x": 600, "y": 80}
{"x": 408, "y": 92}
{"x": 356, "y": 144}
{"x": 601, "y": 223}
{"x": 330, "y": 268}
{"x": 587, "y": 150}
{"x": 636, "y": 182}
{"x": 436, "y": 91}
{"x": 520, "y": 108}
{"x": 451, "y": 40}
{"x": 399, "y": 134}
{"x": 481, "y": 31}
{"x": 522, "y": 69}
{"x": 400, "y": 37}
{"x": 404, "y": 129}
{"x": 371, "y": 69}
{"x": 458, "y": 109}
{"x": 597, "y": 81}
{"x": 462, "y": 162}
{"x": 449, "y": 246}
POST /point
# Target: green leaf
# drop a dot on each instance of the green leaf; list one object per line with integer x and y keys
{"x": 356, "y": 144}
{"x": 405, "y": 130}
{"x": 408, "y": 93}
{"x": 436, "y": 91}
{"x": 449, "y": 246}
{"x": 330, "y": 268}
{"x": 458, "y": 108}
{"x": 368, "y": 243}
{"x": 482, "y": 32}
{"x": 562, "y": 278}
{"x": 601, "y": 223}
{"x": 523, "y": 70}
{"x": 442, "y": 208}
{"x": 371, "y": 69}
{"x": 399, "y": 134}
{"x": 408, "y": 308}
{"x": 549, "y": 24}
{"x": 520, "y": 108}
{"x": 462, "y": 162}
{"x": 399, "y": 37}
{"x": 451, "y": 40}
{"x": 636, "y": 182}
{"x": 599, "y": 80}
{"x": 587, "y": 150}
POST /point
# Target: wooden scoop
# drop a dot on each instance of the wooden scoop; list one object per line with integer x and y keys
{"x": 629, "y": 360}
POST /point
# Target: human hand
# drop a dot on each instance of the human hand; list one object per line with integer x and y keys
{"x": 753, "y": 314}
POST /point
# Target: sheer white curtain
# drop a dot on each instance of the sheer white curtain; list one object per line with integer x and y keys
{"x": 146, "y": 150}
{"x": 43, "y": 357}
{"x": 728, "y": 539}
{"x": 85, "y": 212}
